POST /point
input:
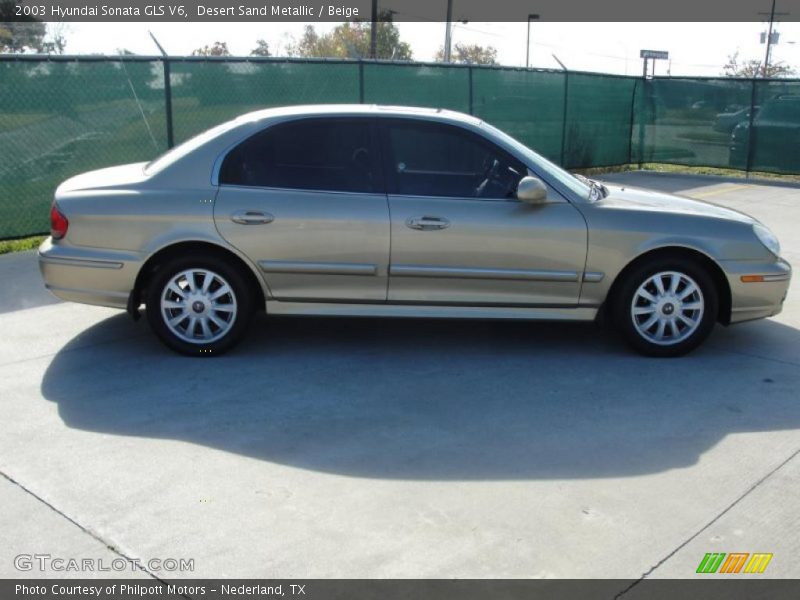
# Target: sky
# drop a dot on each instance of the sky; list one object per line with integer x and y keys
{"x": 694, "y": 48}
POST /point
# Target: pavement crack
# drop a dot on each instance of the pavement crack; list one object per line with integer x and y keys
{"x": 110, "y": 546}
{"x": 683, "y": 544}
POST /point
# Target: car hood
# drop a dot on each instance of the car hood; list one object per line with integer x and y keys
{"x": 629, "y": 198}
{"x": 112, "y": 177}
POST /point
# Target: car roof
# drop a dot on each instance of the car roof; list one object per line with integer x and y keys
{"x": 357, "y": 109}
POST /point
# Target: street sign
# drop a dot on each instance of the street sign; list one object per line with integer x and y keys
{"x": 660, "y": 54}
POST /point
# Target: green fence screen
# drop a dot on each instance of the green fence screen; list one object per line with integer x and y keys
{"x": 58, "y": 119}
{"x": 60, "y": 116}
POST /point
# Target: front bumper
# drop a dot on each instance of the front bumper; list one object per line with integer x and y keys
{"x": 760, "y": 299}
{"x": 88, "y": 275}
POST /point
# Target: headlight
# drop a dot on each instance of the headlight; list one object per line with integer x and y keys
{"x": 767, "y": 238}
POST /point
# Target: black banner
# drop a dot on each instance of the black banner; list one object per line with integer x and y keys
{"x": 743, "y": 587}
{"x": 399, "y": 10}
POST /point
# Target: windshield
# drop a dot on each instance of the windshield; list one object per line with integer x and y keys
{"x": 174, "y": 154}
{"x": 574, "y": 184}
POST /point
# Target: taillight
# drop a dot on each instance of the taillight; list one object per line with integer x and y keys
{"x": 58, "y": 223}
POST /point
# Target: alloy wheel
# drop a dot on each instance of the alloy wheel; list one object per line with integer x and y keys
{"x": 667, "y": 308}
{"x": 198, "y": 306}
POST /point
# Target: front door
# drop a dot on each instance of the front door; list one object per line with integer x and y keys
{"x": 459, "y": 236}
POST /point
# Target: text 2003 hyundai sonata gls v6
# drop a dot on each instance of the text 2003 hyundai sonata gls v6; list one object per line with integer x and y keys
{"x": 391, "y": 211}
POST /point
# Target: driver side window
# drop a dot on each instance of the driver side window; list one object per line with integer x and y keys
{"x": 433, "y": 159}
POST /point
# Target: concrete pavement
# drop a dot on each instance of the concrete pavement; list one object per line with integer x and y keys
{"x": 380, "y": 448}
{"x": 22, "y": 285}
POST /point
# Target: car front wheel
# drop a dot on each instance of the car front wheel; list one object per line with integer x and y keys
{"x": 666, "y": 307}
{"x": 199, "y": 306}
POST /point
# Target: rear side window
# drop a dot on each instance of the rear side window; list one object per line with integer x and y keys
{"x": 309, "y": 154}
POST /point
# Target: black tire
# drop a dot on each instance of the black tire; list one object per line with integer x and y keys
{"x": 641, "y": 338}
{"x": 240, "y": 300}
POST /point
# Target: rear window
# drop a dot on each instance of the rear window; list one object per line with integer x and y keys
{"x": 174, "y": 154}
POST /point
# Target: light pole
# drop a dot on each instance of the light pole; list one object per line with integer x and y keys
{"x": 531, "y": 17}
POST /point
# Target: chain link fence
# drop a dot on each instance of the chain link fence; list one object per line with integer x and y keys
{"x": 60, "y": 116}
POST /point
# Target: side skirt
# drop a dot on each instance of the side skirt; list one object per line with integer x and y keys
{"x": 574, "y": 313}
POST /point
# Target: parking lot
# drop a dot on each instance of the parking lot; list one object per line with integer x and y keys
{"x": 403, "y": 448}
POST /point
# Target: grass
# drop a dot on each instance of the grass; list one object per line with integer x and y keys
{"x": 21, "y": 244}
{"x": 669, "y": 168}
{"x": 666, "y": 168}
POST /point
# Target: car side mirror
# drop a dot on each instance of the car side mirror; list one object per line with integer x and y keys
{"x": 532, "y": 190}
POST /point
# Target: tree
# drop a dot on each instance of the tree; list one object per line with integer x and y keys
{"x": 19, "y": 34}
{"x": 261, "y": 49}
{"x": 751, "y": 68}
{"x": 306, "y": 46}
{"x": 55, "y": 45}
{"x": 215, "y": 49}
{"x": 56, "y": 40}
{"x": 470, "y": 54}
{"x": 352, "y": 40}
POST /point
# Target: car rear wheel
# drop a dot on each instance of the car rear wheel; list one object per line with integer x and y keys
{"x": 666, "y": 307}
{"x": 199, "y": 306}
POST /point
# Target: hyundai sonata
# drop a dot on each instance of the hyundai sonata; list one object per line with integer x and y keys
{"x": 397, "y": 212}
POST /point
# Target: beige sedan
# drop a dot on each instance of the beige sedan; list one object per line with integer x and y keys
{"x": 397, "y": 212}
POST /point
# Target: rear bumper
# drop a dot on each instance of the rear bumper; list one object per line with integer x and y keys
{"x": 88, "y": 275}
{"x": 757, "y": 300}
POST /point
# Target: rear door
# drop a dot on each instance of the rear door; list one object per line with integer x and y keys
{"x": 459, "y": 235}
{"x": 305, "y": 201}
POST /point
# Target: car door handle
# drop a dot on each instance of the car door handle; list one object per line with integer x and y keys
{"x": 427, "y": 223}
{"x": 251, "y": 217}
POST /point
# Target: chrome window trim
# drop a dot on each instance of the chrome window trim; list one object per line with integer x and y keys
{"x": 301, "y": 190}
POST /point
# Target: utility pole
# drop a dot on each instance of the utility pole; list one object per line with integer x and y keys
{"x": 531, "y": 17}
{"x": 769, "y": 38}
{"x": 448, "y": 32}
{"x": 373, "y": 32}
{"x": 772, "y": 14}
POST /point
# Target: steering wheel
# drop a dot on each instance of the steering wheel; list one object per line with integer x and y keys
{"x": 491, "y": 181}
